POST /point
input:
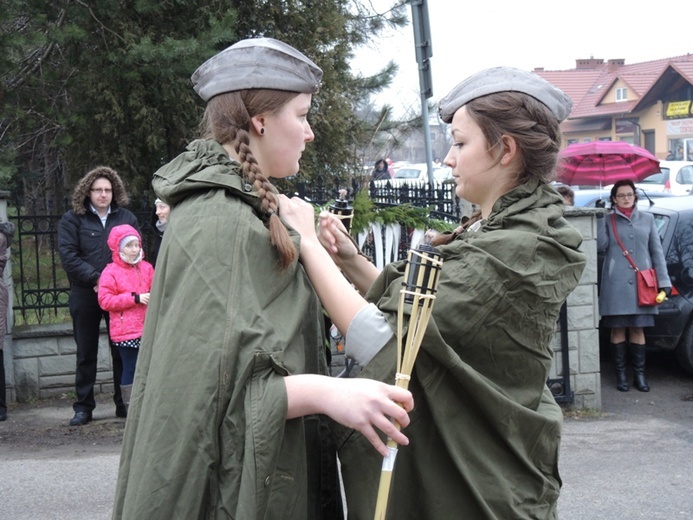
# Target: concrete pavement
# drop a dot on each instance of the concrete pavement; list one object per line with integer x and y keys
{"x": 635, "y": 461}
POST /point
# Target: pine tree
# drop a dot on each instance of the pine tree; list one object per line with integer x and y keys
{"x": 84, "y": 83}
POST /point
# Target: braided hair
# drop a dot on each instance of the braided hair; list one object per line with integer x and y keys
{"x": 227, "y": 120}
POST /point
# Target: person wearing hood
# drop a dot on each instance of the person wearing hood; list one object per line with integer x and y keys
{"x": 161, "y": 214}
{"x": 227, "y": 416}
{"x": 124, "y": 293}
{"x": 98, "y": 202}
{"x": 484, "y": 436}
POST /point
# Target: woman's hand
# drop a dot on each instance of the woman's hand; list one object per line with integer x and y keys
{"x": 335, "y": 239}
{"x": 298, "y": 214}
{"x": 365, "y": 405}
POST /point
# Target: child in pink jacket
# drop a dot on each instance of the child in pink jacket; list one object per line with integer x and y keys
{"x": 124, "y": 293}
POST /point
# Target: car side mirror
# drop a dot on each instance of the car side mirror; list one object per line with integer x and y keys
{"x": 687, "y": 275}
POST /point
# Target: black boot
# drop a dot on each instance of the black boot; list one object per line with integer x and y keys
{"x": 126, "y": 391}
{"x": 620, "y": 350}
{"x": 637, "y": 353}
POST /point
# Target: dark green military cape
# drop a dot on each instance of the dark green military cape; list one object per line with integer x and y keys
{"x": 207, "y": 435}
{"x": 485, "y": 430}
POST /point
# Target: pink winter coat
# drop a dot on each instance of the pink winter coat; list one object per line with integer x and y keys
{"x": 118, "y": 285}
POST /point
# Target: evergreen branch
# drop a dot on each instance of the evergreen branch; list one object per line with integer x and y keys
{"x": 103, "y": 26}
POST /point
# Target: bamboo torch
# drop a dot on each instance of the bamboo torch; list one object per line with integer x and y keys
{"x": 421, "y": 276}
{"x": 343, "y": 210}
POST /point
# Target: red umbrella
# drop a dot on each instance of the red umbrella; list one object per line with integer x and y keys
{"x": 604, "y": 162}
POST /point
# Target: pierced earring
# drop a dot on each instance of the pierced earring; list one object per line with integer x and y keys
{"x": 262, "y": 131}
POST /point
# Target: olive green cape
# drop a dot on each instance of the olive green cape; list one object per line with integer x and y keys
{"x": 207, "y": 435}
{"x": 485, "y": 430}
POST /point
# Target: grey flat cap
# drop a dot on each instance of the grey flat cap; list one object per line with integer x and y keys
{"x": 256, "y": 63}
{"x": 505, "y": 79}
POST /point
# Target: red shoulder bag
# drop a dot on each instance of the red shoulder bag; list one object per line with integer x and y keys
{"x": 646, "y": 280}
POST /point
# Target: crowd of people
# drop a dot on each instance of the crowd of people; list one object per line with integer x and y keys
{"x": 217, "y": 337}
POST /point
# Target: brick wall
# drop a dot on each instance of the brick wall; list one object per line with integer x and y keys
{"x": 42, "y": 362}
{"x": 583, "y": 320}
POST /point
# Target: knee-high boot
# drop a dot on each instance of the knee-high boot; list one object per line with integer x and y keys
{"x": 126, "y": 392}
{"x": 620, "y": 351}
{"x": 637, "y": 353}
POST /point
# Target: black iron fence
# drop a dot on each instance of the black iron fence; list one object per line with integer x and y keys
{"x": 41, "y": 288}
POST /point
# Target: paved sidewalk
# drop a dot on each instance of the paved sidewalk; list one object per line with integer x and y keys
{"x": 635, "y": 461}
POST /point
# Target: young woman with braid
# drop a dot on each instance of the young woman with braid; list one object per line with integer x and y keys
{"x": 225, "y": 417}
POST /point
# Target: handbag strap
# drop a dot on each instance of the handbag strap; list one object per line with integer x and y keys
{"x": 618, "y": 239}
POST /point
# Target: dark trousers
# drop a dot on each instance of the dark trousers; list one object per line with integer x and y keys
{"x": 86, "y": 321}
{"x": 129, "y": 357}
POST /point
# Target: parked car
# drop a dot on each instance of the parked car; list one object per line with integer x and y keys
{"x": 416, "y": 173}
{"x": 673, "y": 329}
{"x": 587, "y": 198}
{"x": 675, "y": 177}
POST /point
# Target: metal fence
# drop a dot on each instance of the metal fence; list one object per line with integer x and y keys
{"x": 41, "y": 288}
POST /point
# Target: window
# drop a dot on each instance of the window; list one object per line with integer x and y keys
{"x": 622, "y": 94}
{"x": 685, "y": 175}
{"x": 661, "y": 222}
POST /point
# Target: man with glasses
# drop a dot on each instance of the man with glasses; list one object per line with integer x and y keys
{"x": 97, "y": 207}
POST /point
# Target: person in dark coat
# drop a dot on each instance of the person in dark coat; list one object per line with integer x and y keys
{"x": 97, "y": 207}
{"x": 6, "y": 232}
{"x": 380, "y": 171}
{"x": 160, "y": 221}
{"x": 618, "y": 300}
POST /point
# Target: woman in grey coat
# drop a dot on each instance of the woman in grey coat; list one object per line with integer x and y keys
{"x": 618, "y": 301}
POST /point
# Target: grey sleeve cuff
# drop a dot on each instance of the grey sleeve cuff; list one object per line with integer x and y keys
{"x": 367, "y": 334}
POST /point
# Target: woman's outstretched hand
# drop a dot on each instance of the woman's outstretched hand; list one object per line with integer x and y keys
{"x": 298, "y": 214}
{"x": 334, "y": 238}
{"x": 330, "y": 232}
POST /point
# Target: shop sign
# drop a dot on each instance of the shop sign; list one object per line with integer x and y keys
{"x": 680, "y": 127}
{"x": 626, "y": 126}
{"x": 676, "y": 109}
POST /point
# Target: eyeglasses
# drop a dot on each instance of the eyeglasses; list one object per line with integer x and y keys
{"x": 625, "y": 195}
{"x": 101, "y": 190}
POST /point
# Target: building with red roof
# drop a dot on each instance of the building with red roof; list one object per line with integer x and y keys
{"x": 649, "y": 104}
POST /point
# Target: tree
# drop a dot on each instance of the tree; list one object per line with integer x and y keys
{"x": 108, "y": 82}
{"x": 103, "y": 82}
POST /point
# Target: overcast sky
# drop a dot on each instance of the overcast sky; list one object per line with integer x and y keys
{"x": 468, "y": 36}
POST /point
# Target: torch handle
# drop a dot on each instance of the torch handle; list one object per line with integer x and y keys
{"x": 421, "y": 280}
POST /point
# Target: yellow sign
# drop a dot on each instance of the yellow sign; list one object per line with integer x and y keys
{"x": 679, "y": 109}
